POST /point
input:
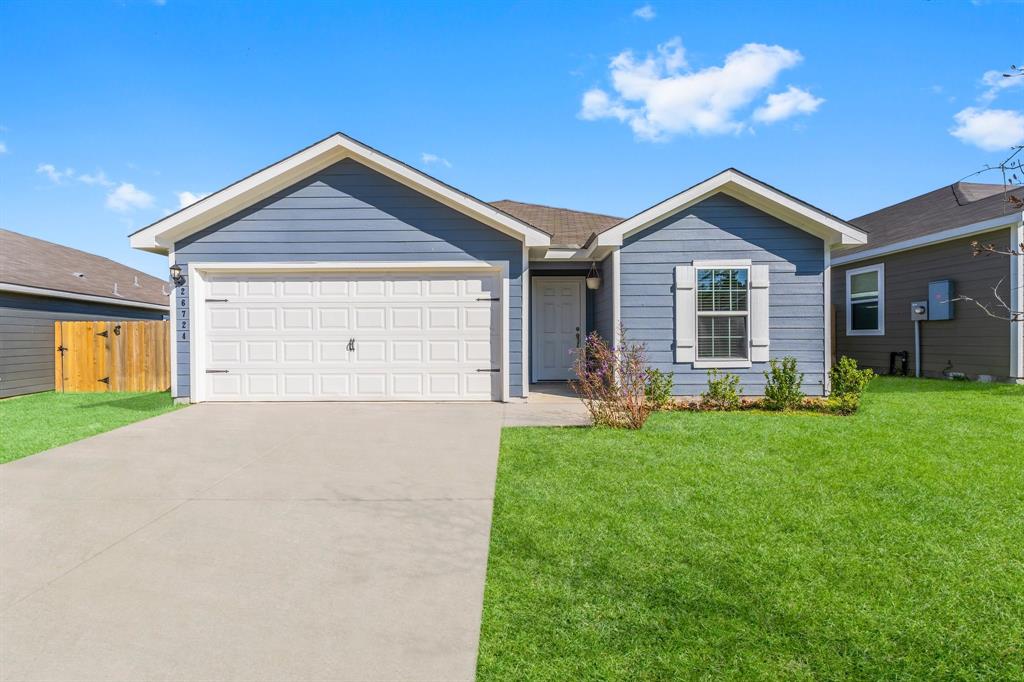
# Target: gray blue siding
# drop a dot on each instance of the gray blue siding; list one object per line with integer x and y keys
{"x": 26, "y": 336}
{"x": 603, "y": 322}
{"x": 349, "y": 212}
{"x": 723, "y": 228}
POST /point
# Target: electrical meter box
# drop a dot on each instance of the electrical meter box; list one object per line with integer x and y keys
{"x": 940, "y": 300}
{"x": 919, "y": 310}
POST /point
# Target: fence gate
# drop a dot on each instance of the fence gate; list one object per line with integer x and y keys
{"x": 95, "y": 357}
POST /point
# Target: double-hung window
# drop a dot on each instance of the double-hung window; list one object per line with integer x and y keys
{"x": 865, "y": 301}
{"x": 723, "y": 312}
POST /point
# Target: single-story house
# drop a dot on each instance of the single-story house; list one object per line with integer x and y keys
{"x": 920, "y": 253}
{"x": 41, "y": 282}
{"x": 340, "y": 273}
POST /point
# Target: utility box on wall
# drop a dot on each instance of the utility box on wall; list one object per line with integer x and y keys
{"x": 940, "y": 299}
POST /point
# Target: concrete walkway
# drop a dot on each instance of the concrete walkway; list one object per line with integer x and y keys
{"x": 550, "y": 404}
{"x": 252, "y": 542}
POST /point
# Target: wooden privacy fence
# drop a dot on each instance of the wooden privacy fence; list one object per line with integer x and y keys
{"x": 96, "y": 357}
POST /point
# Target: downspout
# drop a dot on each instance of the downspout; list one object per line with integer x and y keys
{"x": 1017, "y": 301}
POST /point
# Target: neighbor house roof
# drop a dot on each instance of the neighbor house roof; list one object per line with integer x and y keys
{"x": 566, "y": 227}
{"x": 34, "y": 266}
{"x": 977, "y": 207}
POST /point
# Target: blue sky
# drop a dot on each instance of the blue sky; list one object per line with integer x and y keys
{"x": 112, "y": 110}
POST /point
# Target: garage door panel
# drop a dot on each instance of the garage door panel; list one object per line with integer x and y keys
{"x": 408, "y": 336}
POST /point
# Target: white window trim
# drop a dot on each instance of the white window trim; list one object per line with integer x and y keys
{"x": 880, "y": 269}
{"x": 197, "y": 281}
{"x": 722, "y": 363}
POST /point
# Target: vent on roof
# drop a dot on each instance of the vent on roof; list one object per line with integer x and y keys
{"x": 80, "y": 275}
{"x": 135, "y": 282}
{"x": 116, "y": 293}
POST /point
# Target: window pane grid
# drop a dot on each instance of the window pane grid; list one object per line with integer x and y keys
{"x": 722, "y": 309}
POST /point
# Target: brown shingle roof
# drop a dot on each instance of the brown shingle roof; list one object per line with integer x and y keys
{"x": 956, "y": 205}
{"x": 32, "y": 262}
{"x": 566, "y": 227}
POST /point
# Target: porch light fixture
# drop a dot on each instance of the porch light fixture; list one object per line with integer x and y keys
{"x": 593, "y": 277}
{"x": 176, "y": 275}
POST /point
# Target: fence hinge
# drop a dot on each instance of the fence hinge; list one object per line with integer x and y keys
{"x": 103, "y": 333}
{"x": 105, "y": 380}
{"x": 61, "y": 350}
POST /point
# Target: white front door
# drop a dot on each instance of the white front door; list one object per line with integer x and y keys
{"x": 353, "y": 336}
{"x": 559, "y": 325}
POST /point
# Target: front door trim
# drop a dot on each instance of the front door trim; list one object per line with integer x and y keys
{"x": 536, "y": 326}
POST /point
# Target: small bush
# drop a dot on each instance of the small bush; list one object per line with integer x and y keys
{"x": 659, "y": 388}
{"x": 723, "y": 391}
{"x": 848, "y": 384}
{"x": 612, "y": 382}
{"x": 782, "y": 390}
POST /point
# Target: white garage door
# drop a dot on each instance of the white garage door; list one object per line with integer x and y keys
{"x": 413, "y": 336}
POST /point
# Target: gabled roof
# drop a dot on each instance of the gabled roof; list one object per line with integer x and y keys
{"x": 35, "y": 266}
{"x": 162, "y": 234}
{"x": 567, "y": 227}
{"x": 748, "y": 190}
{"x": 958, "y": 205}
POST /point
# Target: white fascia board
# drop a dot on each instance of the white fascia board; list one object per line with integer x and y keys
{"x": 747, "y": 190}
{"x": 161, "y": 235}
{"x": 929, "y": 239}
{"x": 56, "y": 293}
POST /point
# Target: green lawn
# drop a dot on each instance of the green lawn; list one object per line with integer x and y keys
{"x": 32, "y": 423}
{"x": 887, "y": 545}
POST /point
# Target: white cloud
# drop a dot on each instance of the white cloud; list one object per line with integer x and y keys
{"x": 989, "y": 129}
{"x": 430, "y": 159}
{"x": 659, "y": 96}
{"x": 189, "y": 198}
{"x": 3, "y": 147}
{"x": 782, "y": 105}
{"x": 996, "y": 82}
{"x": 127, "y": 197}
{"x": 99, "y": 178}
{"x": 646, "y": 13}
{"x": 56, "y": 176}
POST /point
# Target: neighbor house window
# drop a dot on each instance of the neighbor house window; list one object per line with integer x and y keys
{"x": 723, "y": 312}
{"x": 865, "y": 301}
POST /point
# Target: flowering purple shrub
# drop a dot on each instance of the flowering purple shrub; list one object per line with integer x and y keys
{"x": 612, "y": 381}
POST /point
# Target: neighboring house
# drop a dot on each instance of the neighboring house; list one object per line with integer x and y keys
{"x": 41, "y": 282}
{"x": 340, "y": 273}
{"x": 928, "y": 239}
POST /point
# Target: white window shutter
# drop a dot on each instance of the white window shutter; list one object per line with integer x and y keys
{"x": 686, "y": 313}
{"x": 759, "y": 313}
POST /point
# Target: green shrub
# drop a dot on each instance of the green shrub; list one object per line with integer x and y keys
{"x": 782, "y": 390}
{"x": 658, "y": 388}
{"x": 848, "y": 383}
{"x": 723, "y": 391}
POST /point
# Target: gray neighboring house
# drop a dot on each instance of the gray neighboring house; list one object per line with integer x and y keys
{"x": 340, "y": 273}
{"x": 41, "y": 282}
{"x": 928, "y": 239}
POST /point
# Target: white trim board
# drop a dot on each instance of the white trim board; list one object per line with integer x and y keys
{"x": 197, "y": 272}
{"x": 748, "y": 190}
{"x": 1017, "y": 302}
{"x": 56, "y": 293}
{"x": 929, "y": 239}
{"x": 161, "y": 235}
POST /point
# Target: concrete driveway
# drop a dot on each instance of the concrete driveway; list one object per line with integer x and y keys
{"x": 252, "y": 542}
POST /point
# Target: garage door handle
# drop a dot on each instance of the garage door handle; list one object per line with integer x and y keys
{"x": 216, "y": 371}
{"x": 495, "y": 369}
{"x": 216, "y": 300}
{"x": 488, "y": 299}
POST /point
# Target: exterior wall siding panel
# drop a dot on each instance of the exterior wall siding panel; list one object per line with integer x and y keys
{"x": 973, "y": 342}
{"x": 26, "y": 336}
{"x": 723, "y": 228}
{"x": 349, "y": 212}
